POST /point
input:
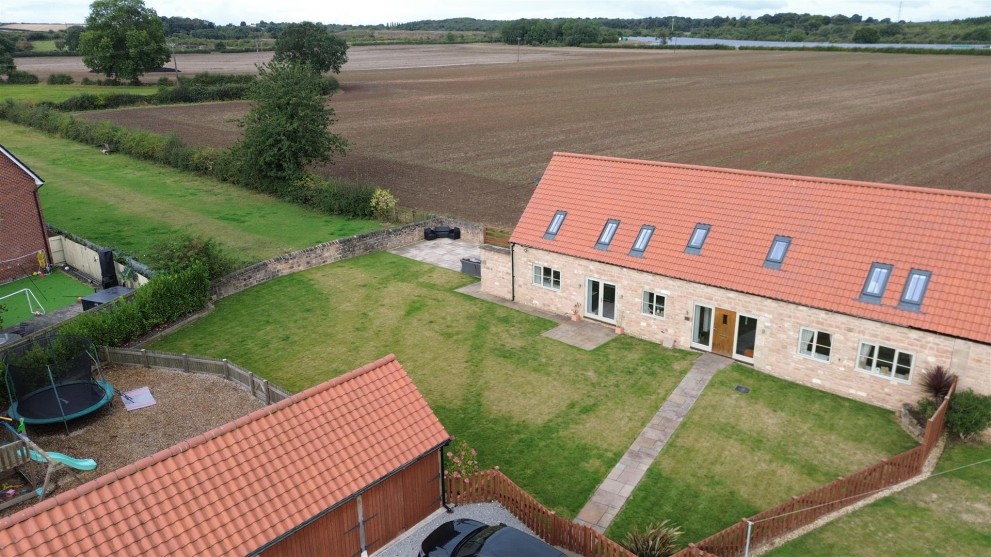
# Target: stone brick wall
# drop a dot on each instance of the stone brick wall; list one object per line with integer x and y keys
{"x": 337, "y": 250}
{"x": 22, "y": 228}
{"x": 778, "y": 328}
{"x": 497, "y": 272}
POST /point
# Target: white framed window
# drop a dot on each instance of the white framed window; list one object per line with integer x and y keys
{"x": 653, "y": 304}
{"x": 547, "y": 277}
{"x": 885, "y": 361}
{"x": 815, "y": 344}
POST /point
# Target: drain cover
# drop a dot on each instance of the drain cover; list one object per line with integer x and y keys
{"x": 742, "y": 389}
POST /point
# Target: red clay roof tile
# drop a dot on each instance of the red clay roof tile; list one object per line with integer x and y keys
{"x": 201, "y": 496}
{"x": 838, "y": 228}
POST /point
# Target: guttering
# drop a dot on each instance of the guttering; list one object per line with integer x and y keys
{"x": 512, "y": 272}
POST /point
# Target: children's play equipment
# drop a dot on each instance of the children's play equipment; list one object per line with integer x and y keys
{"x": 26, "y": 470}
{"x": 55, "y": 378}
{"x": 33, "y": 304}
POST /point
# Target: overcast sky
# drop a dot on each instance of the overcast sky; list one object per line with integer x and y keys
{"x": 359, "y": 12}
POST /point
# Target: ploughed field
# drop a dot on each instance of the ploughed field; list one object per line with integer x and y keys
{"x": 466, "y": 130}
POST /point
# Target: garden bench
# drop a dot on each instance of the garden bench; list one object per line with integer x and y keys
{"x": 441, "y": 232}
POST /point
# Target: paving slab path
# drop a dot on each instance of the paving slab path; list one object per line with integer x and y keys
{"x": 609, "y": 498}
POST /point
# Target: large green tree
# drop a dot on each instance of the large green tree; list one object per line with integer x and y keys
{"x": 7, "y": 48}
{"x": 287, "y": 128}
{"x": 123, "y": 39}
{"x": 311, "y": 43}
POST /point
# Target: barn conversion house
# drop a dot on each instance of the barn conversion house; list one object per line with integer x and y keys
{"x": 850, "y": 287}
{"x": 338, "y": 469}
{"x": 23, "y": 234}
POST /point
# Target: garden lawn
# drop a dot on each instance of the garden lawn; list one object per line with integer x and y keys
{"x": 947, "y": 514}
{"x": 130, "y": 205}
{"x": 553, "y": 417}
{"x": 738, "y": 454}
{"x": 58, "y": 93}
{"x": 53, "y": 291}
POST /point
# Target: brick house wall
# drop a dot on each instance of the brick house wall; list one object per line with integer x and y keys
{"x": 776, "y": 349}
{"x": 22, "y": 227}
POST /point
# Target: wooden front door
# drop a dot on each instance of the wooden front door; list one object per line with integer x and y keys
{"x": 722, "y": 332}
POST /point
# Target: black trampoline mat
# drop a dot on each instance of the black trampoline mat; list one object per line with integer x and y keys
{"x": 76, "y": 397}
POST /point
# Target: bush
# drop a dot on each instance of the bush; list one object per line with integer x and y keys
{"x": 936, "y": 382}
{"x": 165, "y": 82}
{"x": 183, "y": 251}
{"x": 163, "y": 300}
{"x": 926, "y": 408}
{"x": 60, "y": 79}
{"x": 18, "y": 77}
{"x": 656, "y": 540}
{"x": 969, "y": 414}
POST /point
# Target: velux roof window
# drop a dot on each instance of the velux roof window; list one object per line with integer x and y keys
{"x": 915, "y": 290}
{"x": 776, "y": 255}
{"x": 877, "y": 281}
{"x": 608, "y": 231}
{"x": 643, "y": 238}
{"x": 699, "y": 235}
{"x": 555, "y": 225}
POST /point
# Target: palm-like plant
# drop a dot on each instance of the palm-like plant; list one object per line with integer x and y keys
{"x": 655, "y": 540}
{"x": 936, "y": 381}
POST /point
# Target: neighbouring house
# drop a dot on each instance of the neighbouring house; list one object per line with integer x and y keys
{"x": 23, "y": 234}
{"x": 338, "y": 469}
{"x": 851, "y": 287}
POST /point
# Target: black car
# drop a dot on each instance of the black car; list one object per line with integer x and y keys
{"x": 470, "y": 538}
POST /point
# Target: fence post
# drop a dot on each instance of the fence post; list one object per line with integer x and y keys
{"x": 144, "y": 355}
{"x": 185, "y": 362}
{"x": 227, "y": 369}
{"x": 106, "y": 352}
{"x": 251, "y": 383}
{"x": 268, "y": 392}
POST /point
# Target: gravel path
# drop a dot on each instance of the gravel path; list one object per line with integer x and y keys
{"x": 188, "y": 404}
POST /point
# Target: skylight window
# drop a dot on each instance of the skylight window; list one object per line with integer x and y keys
{"x": 915, "y": 290}
{"x": 608, "y": 231}
{"x": 699, "y": 235}
{"x": 877, "y": 281}
{"x": 555, "y": 225}
{"x": 776, "y": 255}
{"x": 643, "y": 238}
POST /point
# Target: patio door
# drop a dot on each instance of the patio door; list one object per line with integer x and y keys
{"x": 600, "y": 300}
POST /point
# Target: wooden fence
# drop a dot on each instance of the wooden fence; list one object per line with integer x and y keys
{"x": 746, "y": 535}
{"x": 258, "y": 387}
{"x": 492, "y": 485}
{"x": 497, "y": 236}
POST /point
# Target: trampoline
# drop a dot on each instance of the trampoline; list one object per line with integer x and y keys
{"x": 55, "y": 379}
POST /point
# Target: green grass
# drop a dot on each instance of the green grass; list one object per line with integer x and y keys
{"x": 53, "y": 291}
{"x": 58, "y": 93}
{"x": 736, "y": 455}
{"x": 43, "y": 46}
{"x": 947, "y": 514}
{"x": 553, "y": 417}
{"x": 130, "y": 205}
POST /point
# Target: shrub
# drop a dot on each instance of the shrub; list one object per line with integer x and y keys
{"x": 60, "y": 79}
{"x": 969, "y": 414}
{"x": 163, "y": 300}
{"x": 383, "y": 204}
{"x": 19, "y": 77}
{"x": 656, "y": 540}
{"x": 926, "y": 408}
{"x": 165, "y": 82}
{"x": 460, "y": 460}
{"x": 183, "y": 251}
{"x": 936, "y": 382}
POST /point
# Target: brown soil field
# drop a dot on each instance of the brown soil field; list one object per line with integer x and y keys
{"x": 467, "y": 131}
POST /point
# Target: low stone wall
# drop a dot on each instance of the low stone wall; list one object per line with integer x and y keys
{"x": 337, "y": 250}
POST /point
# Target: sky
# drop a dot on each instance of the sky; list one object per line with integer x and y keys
{"x": 361, "y": 12}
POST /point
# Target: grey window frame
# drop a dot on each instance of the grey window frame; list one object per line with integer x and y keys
{"x": 645, "y": 230}
{"x": 539, "y": 279}
{"x": 895, "y": 364}
{"x": 691, "y": 247}
{"x": 873, "y": 297}
{"x": 552, "y": 230}
{"x": 915, "y": 304}
{"x": 813, "y": 354}
{"x": 776, "y": 263}
{"x": 603, "y": 241}
{"x": 655, "y": 295}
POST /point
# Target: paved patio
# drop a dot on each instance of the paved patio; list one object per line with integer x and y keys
{"x": 612, "y": 494}
{"x": 442, "y": 252}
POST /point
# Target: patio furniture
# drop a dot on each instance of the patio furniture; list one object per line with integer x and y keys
{"x": 441, "y": 232}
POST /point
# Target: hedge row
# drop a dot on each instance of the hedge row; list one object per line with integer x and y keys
{"x": 349, "y": 200}
{"x": 163, "y": 300}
